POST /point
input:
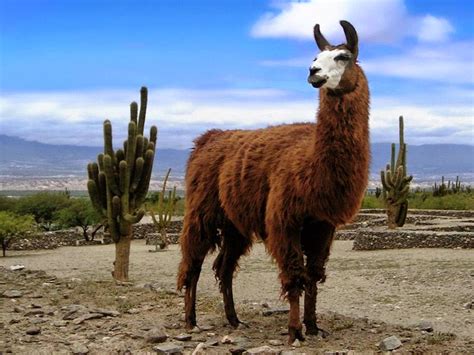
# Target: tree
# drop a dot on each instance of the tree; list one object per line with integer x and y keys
{"x": 80, "y": 213}
{"x": 11, "y": 226}
{"x": 8, "y": 203}
{"x": 43, "y": 206}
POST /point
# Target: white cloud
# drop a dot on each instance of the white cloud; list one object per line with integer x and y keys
{"x": 447, "y": 63}
{"x": 376, "y": 21}
{"x": 434, "y": 29}
{"x": 180, "y": 114}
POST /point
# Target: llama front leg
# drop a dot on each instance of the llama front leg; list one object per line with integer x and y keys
{"x": 286, "y": 249}
{"x": 316, "y": 239}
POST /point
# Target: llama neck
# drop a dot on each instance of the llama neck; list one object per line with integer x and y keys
{"x": 340, "y": 160}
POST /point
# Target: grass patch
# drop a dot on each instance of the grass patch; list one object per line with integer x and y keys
{"x": 425, "y": 200}
{"x": 440, "y": 338}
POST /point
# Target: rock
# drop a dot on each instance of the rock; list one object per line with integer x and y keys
{"x": 38, "y": 321}
{"x": 107, "y": 312}
{"x": 16, "y": 267}
{"x": 200, "y": 349}
{"x": 226, "y": 339}
{"x": 79, "y": 349}
{"x": 156, "y": 335}
{"x": 337, "y": 352}
{"x": 12, "y": 294}
{"x": 34, "y": 312}
{"x": 262, "y": 350}
{"x": 212, "y": 342}
{"x": 425, "y": 325}
{"x": 296, "y": 343}
{"x": 18, "y": 309}
{"x": 272, "y": 311}
{"x": 168, "y": 349}
{"x": 275, "y": 342}
{"x": 237, "y": 351}
{"x": 133, "y": 311}
{"x": 207, "y": 327}
{"x": 87, "y": 316}
{"x": 183, "y": 337}
{"x": 35, "y": 305}
{"x": 33, "y": 331}
{"x": 59, "y": 323}
{"x": 468, "y": 305}
{"x": 390, "y": 343}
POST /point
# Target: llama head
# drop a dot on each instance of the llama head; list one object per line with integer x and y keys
{"x": 334, "y": 67}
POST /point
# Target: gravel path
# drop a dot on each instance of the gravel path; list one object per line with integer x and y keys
{"x": 395, "y": 286}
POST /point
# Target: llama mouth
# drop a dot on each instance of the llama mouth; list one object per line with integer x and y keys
{"x": 316, "y": 82}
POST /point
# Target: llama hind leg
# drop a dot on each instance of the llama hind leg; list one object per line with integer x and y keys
{"x": 233, "y": 247}
{"x": 194, "y": 249}
{"x": 316, "y": 241}
{"x": 286, "y": 250}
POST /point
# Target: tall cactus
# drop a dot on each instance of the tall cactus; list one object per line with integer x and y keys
{"x": 396, "y": 183}
{"x": 165, "y": 210}
{"x": 119, "y": 182}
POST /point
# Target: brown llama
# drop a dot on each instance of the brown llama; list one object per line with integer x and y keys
{"x": 290, "y": 185}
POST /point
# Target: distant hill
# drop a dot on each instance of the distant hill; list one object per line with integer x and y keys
{"x": 19, "y": 157}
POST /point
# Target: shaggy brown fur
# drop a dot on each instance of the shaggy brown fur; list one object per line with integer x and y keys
{"x": 290, "y": 185}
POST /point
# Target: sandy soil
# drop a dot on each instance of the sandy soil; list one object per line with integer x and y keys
{"x": 400, "y": 287}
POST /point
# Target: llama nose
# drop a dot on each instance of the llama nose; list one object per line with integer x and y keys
{"x": 313, "y": 70}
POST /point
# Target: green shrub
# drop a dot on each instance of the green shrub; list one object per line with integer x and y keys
{"x": 79, "y": 213}
{"x": 11, "y": 226}
{"x": 43, "y": 206}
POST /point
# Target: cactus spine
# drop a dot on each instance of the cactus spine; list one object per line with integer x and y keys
{"x": 165, "y": 211}
{"x": 119, "y": 181}
{"x": 396, "y": 183}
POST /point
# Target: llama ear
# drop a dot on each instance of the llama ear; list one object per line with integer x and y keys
{"x": 319, "y": 38}
{"x": 352, "y": 40}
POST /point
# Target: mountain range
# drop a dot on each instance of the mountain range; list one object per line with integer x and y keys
{"x": 29, "y": 159}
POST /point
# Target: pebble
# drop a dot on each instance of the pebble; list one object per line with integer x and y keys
{"x": 33, "y": 331}
{"x": 168, "y": 349}
{"x": 200, "y": 349}
{"x": 427, "y": 326}
{"x": 272, "y": 311}
{"x": 12, "y": 294}
{"x": 87, "y": 316}
{"x": 468, "y": 305}
{"x": 156, "y": 335}
{"x": 183, "y": 337}
{"x": 237, "y": 351}
{"x": 296, "y": 343}
{"x": 79, "y": 349}
{"x": 16, "y": 267}
{"x": 275, "y": 342}
{"x": 262, "y": 350}
{"x": 106, "y": 312}
{"x": 34, "y": 312}
{"x": 59, "y": 323}
{"x": 227, "y": 339}
{"x": 18, "y": 309}
{"x": 390, "y": 343}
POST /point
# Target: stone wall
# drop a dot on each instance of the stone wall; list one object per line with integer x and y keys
{"x": 411, "y": 239}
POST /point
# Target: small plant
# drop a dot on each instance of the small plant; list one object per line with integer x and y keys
{"x": 12, "y": 226}
{"x": 165, "y": 210}
{"x": 378, "y": 192}
{"x": 396, "y": 184}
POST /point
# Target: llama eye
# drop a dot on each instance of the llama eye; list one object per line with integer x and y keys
{"x": 343, "y": 57}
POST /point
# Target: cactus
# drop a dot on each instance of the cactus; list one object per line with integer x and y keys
{"x": 165, "y": 211}
{"x": 119, "y": 182}
{"x": 396, "y": 183}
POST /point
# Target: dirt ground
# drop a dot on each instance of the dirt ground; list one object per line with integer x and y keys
{"x": 367, "y": 297}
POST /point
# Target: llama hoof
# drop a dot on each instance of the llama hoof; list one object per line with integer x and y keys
{"x": 294, "y": 334}
{"x": 317, "y": 331}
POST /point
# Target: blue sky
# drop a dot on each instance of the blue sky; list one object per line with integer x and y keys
{"x": 65, "y": 66}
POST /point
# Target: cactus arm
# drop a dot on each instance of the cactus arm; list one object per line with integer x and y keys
{"x": 143, "y": 106}
{"x": 109, "y": 175}
{"x": 134, "y": 218}
{"x": 95, "y": 197}
{"x": 108, "y": 147}
{"x": 133, "y": 112}
{"x": 137, "y": 174}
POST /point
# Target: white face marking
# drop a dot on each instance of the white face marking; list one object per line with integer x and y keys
{"x": 330, "y": 69}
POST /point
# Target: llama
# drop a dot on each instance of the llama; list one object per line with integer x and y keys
{"x": 290, "y": 185}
